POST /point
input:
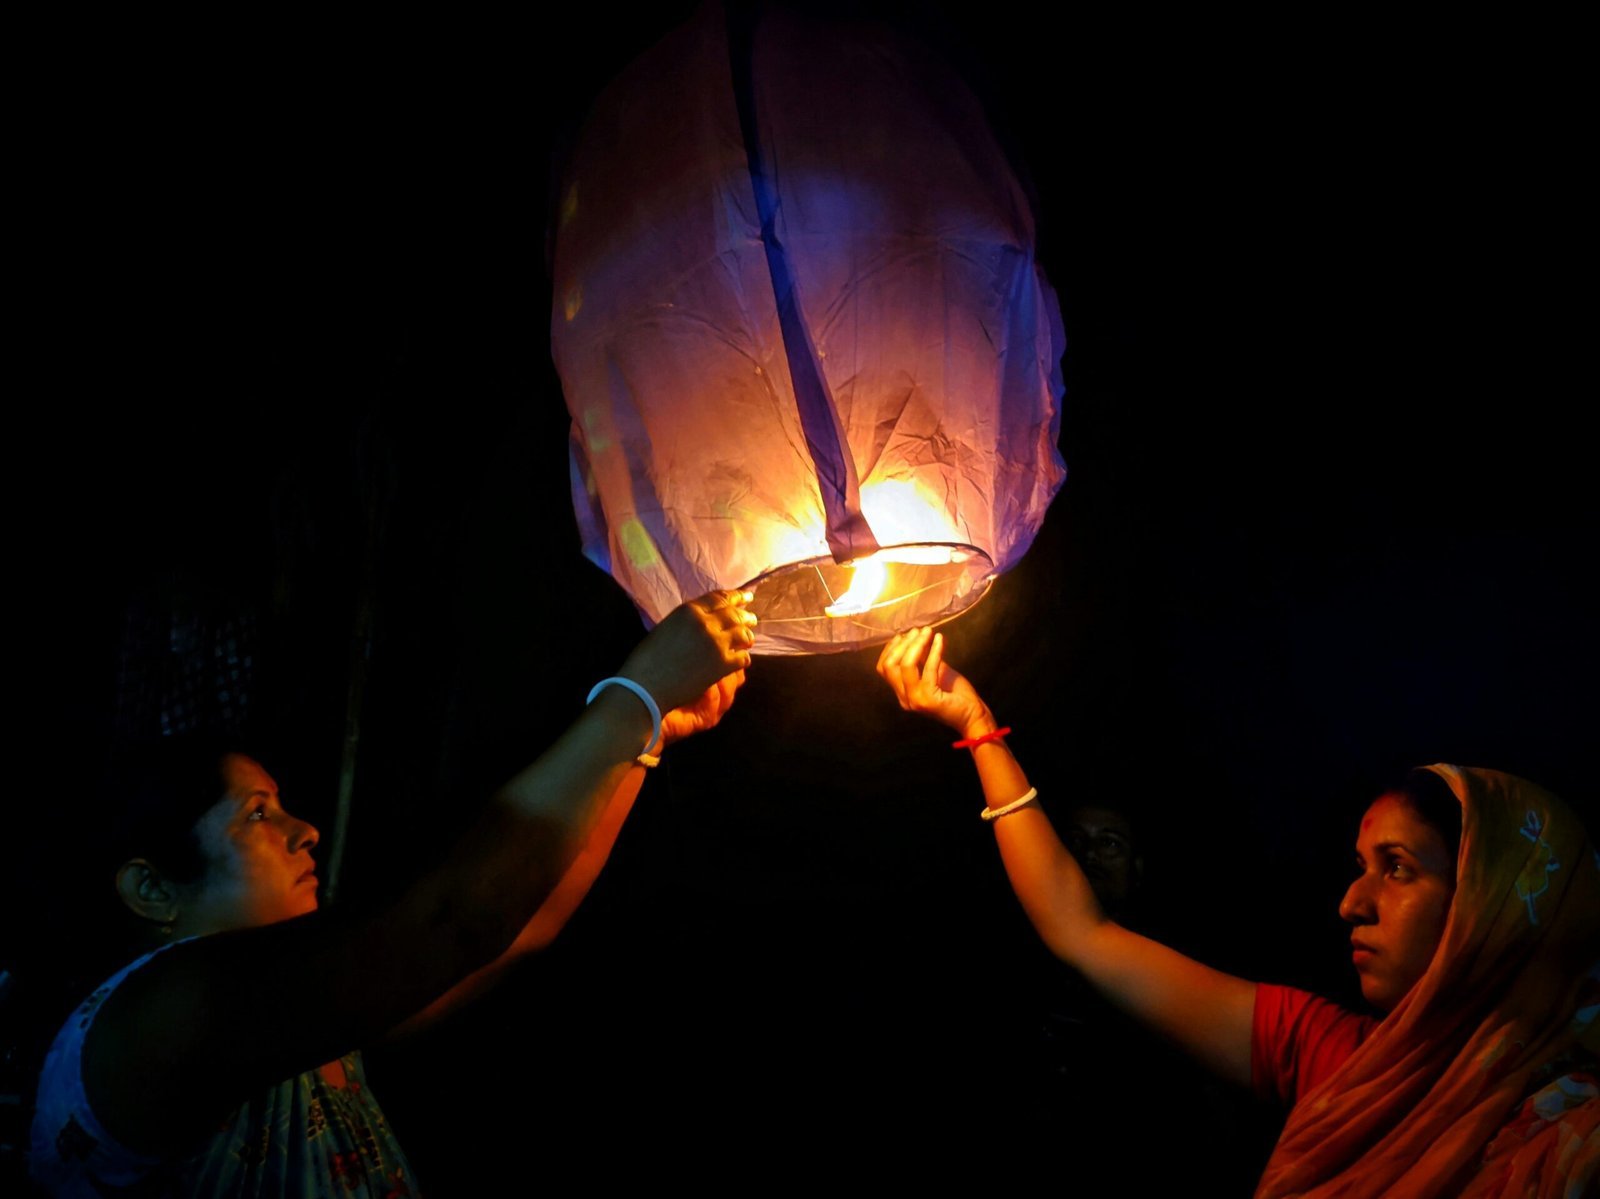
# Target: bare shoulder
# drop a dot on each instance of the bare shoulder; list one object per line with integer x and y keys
{"x": 186, "y": 1036}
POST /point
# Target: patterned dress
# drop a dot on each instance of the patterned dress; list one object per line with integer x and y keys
{"x": 303, "y": 1138}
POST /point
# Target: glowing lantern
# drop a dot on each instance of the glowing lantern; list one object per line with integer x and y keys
{"x": 802, "y": 334}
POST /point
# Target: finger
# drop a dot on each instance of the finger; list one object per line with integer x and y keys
{"x": 733, "y": 617}
{"x": 930, "y": 668}
{"x": 898, "y": 687}
{"x": 916, "y": 649}
{"x": 887, "y": 658}
{"x": 907, "y": 671}
{"x": 715, "y": 603}
{"x": 898, "y": 647}
{"x": 725, "y": 631}
{"x": 916, "y": 662}
{"x": 892, "y": 660}
{"x": 894, "y": 668}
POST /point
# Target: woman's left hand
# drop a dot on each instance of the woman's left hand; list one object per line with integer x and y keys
{"x": 701, "y": 715}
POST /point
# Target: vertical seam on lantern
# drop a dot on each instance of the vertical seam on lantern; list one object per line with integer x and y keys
{"x": 849, "y": 535}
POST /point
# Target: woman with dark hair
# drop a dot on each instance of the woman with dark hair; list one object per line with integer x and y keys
{"x": 1475, "y": 917}
{"x": 222, "y": 1059}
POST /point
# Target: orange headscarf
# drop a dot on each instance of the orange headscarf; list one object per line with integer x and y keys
{"x": 1481, "y": 1081}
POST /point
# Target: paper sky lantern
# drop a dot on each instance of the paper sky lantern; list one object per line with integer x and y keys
{"x": 801, "y": 332}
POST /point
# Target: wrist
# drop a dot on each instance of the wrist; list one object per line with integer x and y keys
{"x": 980, "y": 724}
{"x": 621, "y": 703}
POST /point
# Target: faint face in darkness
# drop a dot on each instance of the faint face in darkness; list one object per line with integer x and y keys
{"x": 1102, "y": 841}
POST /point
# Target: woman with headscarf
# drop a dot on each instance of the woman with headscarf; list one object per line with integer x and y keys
{"x": 1475, "y": 919}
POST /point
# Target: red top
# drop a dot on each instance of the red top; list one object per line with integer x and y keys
{"x": 1297, "y": 1039}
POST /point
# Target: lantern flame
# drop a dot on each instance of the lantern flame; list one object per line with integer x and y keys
{"x": 867, "y": 577}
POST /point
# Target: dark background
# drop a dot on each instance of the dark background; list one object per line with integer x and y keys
{"x": 1329, "y": 513}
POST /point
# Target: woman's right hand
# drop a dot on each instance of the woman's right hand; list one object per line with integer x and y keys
{"x": 914, "y": 667}
{"x": 695, "y": 644}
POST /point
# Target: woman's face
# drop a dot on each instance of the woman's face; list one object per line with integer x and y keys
{"x": 258, "y": 857}
{"x": 1399, "y": 900}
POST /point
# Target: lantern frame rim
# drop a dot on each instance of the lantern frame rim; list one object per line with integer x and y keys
{"x": 969, "y": 556}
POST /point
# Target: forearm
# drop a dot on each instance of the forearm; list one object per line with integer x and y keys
{"x": 1047, "y": 879}
{"x": 573, "y": 889}
{"x": 468, "y": 912}
{"x": 1205, "y": 1011}
{"x": 552, "y": 915}
{"x": 526, "y": 844}
{"x": 999, "y": 772}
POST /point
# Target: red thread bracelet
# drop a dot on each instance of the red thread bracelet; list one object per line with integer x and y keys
{"x": 974, "y": 742}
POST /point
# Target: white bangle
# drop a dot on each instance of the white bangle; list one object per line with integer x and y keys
{"x": 655, "y": 712}
{"x": 1014, "y": 806}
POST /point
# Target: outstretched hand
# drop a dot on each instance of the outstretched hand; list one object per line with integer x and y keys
{"x": 695, "y": 645}
{"x": 914, "y": 667}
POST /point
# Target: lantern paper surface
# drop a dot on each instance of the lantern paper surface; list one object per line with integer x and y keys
{"x": 802, "y": 334}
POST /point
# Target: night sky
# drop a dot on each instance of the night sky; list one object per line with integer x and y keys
{"x": 1329, "y": 513}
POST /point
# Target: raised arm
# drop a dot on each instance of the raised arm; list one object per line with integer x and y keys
{"x": 563, "y": 902}
{"x": 1205, "y": 1011}
{"x": 212, "y": 1020}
